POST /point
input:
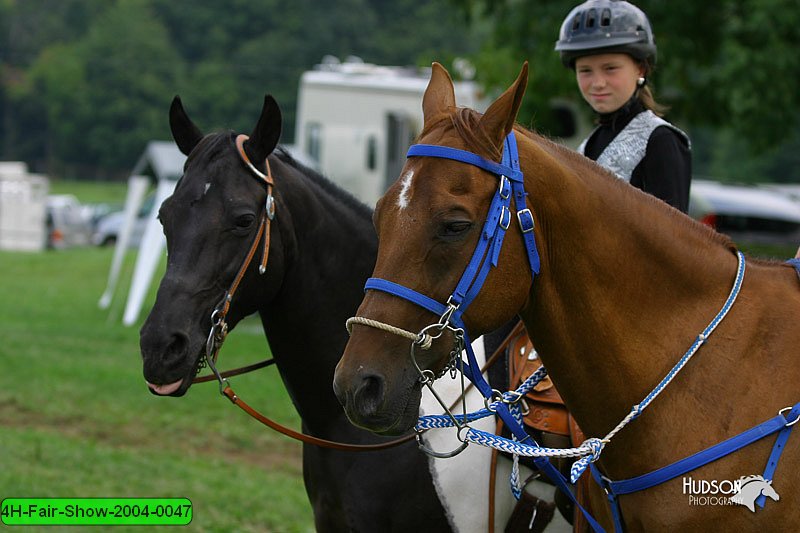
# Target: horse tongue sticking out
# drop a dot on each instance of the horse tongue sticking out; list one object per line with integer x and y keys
{"x": 165, "y": 390}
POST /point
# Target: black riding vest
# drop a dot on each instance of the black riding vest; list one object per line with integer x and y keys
{"x": 645, "y": 150}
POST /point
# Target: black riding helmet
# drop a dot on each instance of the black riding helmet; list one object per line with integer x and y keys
{"x": 606, "y": 26}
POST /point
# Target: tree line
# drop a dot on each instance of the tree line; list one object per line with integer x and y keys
{"x": 84, "y": 84}
{"x": 727, "y": 69}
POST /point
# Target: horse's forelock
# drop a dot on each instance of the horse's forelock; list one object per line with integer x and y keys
{"x": 466, "y": 121}
{"x": 211, "y": 148}
{"x": 210, "y": 151}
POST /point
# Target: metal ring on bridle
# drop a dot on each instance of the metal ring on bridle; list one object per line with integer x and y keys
{"x": 496, "y": 396}
{"x": 793, "y": 422}
{"x": 459, "y": 436}
{"x": 448, "y": 313}
{"x": 458, "y": 336}
{"x": 426, "y": 376}
{"x": 512, "y": 397}
{"x": 440, "y": 455}
{"x": 215, "y": 317}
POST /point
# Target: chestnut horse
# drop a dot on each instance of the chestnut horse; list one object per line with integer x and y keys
{"x": 625, "y": 285}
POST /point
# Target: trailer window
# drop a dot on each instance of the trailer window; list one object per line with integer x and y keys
{"x": 314, "y": 140}
{"x": 372, "y": 153}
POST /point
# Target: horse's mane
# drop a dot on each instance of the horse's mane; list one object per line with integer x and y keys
{"x": 334, "y": 191}
{"x": 214, "y": 147}
{"x": 466, "y": 120}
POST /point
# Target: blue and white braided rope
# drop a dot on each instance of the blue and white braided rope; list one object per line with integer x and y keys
{"x": 699, "y": 341}
{"x": 444, "y": 421}
{"x": 589, "y": 451}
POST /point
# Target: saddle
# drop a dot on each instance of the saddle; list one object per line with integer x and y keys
{"x": 547, "y": 418}
{"x": 546, "y": 410}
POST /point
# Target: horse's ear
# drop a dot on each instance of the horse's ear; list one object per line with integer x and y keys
{"x": 185, "y": 133}
{"x": 267, "y": 132}
{"x": 440, "y": 95}
{"x": 501, "y": 115}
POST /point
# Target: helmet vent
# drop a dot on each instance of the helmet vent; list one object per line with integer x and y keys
{"x": 576, "y": 22}
{"x": 605, "y": 18}
{"x": 591, "y": 18}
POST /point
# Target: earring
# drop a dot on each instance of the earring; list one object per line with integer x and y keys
{"x": 640, "y": 82}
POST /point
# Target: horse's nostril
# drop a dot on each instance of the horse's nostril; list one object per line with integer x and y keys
{"x": 175, "y": 351}
{"x": 369, "y": 395}
{"x": 167, "y": 356}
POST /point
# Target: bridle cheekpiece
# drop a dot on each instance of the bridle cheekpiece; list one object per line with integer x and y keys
{"x": 486, "y": 255}
{"x": 219, "y": 326}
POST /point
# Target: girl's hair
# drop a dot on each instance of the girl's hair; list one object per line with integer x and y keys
{"x": 645, "y": 93}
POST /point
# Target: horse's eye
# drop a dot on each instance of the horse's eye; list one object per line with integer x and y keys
{"x": 455, "y": 229}
{"x": 245, "y": 221}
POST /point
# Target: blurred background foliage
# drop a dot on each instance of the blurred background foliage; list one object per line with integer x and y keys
{"x": 727, "y": 68}
{"x": 84, "y": 84}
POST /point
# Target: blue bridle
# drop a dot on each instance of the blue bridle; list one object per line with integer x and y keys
{"x": 486, "y": 255}
{"x": 487, "y": 251}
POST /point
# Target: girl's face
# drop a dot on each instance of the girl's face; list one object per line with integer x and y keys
{"x": 607, "y": 81}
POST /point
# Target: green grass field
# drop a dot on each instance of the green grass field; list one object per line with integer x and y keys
{"x": 76, "y": 419}
{"x": 89, "y": 192}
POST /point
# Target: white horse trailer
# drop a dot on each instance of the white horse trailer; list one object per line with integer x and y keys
{"x": 356, "y": 121}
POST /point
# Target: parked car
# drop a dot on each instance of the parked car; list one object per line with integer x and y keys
{"x": 746, "y": 213}
{"x": 109, "y": 226}
{"x": 68, "y": 223}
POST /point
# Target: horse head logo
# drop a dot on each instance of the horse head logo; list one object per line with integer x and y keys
{"x": 750, "y": 488}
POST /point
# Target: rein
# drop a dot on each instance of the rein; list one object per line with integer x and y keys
{"x": 485, "y": 256}
{"x": 219, "y": 328}
{"x": 506, "y": 405}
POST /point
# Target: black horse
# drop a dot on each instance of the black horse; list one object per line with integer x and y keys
{"x": 322, "y": 249}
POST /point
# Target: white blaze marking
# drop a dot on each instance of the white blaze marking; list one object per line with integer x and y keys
{"x": 208, "y": 186}
{"x": 402, "y": 200}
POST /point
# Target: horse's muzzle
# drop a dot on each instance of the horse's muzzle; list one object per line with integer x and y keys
{"x": 365, "y": 400}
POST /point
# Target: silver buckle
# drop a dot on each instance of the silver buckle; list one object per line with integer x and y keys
{"x": 519, "y": 219}
{"x": 503, "y": 185}
{"x": 503, "y": 213}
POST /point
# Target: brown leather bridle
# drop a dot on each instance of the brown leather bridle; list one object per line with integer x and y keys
{"x": 219, "y": 328}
